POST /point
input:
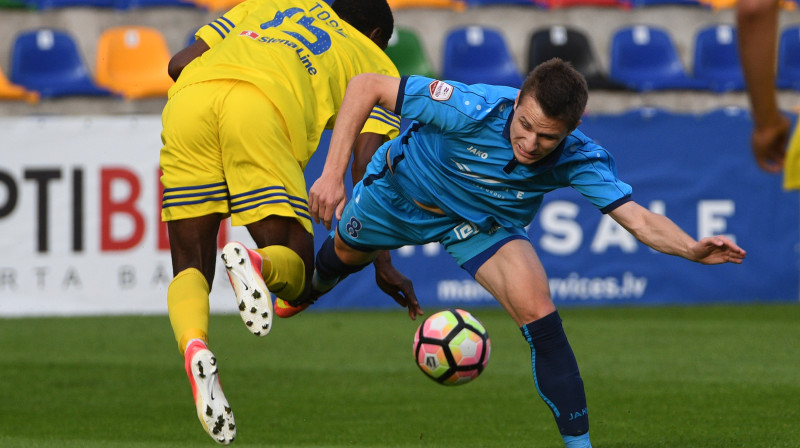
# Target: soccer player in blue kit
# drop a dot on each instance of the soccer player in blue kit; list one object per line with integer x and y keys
{"x": 471, "y": 173}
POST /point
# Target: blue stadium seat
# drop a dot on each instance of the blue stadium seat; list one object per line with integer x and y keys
{"x": 51, "y": 4}
{"x": 789, "y": 58}
{"x": 476, "y": 54}
{"x": 124, "y": 5}
{"x": 716, "y": 58}
{"x": 645, "y": 58}
{"x": 47, "y": 61}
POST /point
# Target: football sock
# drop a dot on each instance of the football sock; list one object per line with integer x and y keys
{"x": 581, "y": 441}
{"x": 557, "y": 379}
{"x": 283, "y": 270}
{"x": 329, "y": 269}
{"x": 187, "y": 303}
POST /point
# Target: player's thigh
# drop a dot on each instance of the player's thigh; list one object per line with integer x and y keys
{"x": 191, "y": 157}
{"x": 262, "y": 145}
{"x": 514, "y": 275}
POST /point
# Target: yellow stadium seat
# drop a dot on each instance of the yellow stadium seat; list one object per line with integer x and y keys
{"x": 9, "y": 91}
{"x": 132, "y": 61}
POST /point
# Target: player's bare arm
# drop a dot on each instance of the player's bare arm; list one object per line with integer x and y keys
{"x": 327, "y": 196}
{"x": 757, "y": 21}
{"x": 660, "y": 233}
{"x": 182, "y": 58}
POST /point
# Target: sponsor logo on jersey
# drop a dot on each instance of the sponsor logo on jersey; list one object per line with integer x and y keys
{"x": 440, "y": 90}
{"x": 251, "y": 34}
{"x": 478, "y": 152}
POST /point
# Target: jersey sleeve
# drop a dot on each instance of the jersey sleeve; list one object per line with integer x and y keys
{"x": 595, "y": 178}
{"x": 219, "y": 28}
{"x": 449, "y": 105}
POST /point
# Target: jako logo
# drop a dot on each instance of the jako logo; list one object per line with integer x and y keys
{"x": 478, "y": 152}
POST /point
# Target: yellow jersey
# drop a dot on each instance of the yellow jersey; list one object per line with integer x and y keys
{"x": 300, "y": 54}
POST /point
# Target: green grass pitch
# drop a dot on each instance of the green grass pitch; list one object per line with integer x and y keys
{"x": 672, "y": 377}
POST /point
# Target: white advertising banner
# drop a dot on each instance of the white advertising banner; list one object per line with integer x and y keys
{"x": 80, "y": 227}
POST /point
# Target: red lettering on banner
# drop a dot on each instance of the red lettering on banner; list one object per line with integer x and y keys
{"x": 127, "y": 206}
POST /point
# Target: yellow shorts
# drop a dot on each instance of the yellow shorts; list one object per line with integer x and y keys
{"x": 229, "y": 150}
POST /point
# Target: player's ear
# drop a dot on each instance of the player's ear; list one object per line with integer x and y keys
{"x": 375, "y": 36}
{"x": 516, "y": 100}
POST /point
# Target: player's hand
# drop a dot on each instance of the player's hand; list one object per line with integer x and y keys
{"x": 716, "y": 250}
{"x": 326, "y": 198}
{"x": 395, "y": 284}
{"x": 769, "y": 144}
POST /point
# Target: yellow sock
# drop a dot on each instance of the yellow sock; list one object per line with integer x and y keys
{"x": 187, "y": 302}
{"x": 283, "y": 270}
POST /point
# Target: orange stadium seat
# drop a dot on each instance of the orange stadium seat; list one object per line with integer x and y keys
{"x": 10, "y": 91}
{"x": 132, "y": 61}
{"x": 217, "y": 5}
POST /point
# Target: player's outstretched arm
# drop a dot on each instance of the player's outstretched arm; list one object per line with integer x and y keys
{"x": 757, "y": 23}
{"x": 327, "y": 197}
{"x": 663, "y": 235}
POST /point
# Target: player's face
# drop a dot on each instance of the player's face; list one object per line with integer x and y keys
{"x": 533, "y": 134}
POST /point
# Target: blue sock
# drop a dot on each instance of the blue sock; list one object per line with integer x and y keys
{"x": 557, "y": 379}
{"x": 329, "y": 269}
{"x": 581, "y": 441}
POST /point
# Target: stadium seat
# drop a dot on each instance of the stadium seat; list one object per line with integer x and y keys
{"x": 558, "y": 41}
{"x": 716, "y": 58}
{"x": 47, "y": 61}
{"x": 789, "y": 58}
{"x": 132, "y": 61}
{"x": 482, "y": 3}
{"x": 15, "y": 4}
{"x": 455, "y": 5}
{"x": 476, "y": 54}
{"x": 645, "y": 58}
{"x": 9, "y": 91}
{"x": 558, "y": 4}
{"x": 124, "y": 5}
{"x": 54, "y": 4}
{"x": 406, "y": 51}
{"x": 646, "y": 3}
{"x": 216, "y": 5}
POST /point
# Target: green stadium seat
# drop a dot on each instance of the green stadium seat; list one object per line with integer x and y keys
{"x": 406, "y": 51}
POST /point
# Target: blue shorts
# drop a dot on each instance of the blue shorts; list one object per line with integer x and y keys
{"x": 381, "y": 216}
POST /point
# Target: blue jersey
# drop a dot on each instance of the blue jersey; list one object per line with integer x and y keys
{"x": 458, "y": 157}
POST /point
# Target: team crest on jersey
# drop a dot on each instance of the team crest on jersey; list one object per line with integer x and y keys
{"x": 251, "y": 34}
{"x": 440, "y": 90}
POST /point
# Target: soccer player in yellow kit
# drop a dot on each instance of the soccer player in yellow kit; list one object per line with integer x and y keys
{"x": 252, "y": 96}
{"x": 775, "y": 146}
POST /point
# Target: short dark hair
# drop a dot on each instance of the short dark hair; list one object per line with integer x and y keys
{"x": 559, "y": 89}
{"x": 367, "y": 15}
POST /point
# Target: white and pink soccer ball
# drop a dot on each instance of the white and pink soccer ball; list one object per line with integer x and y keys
{"x": 452, "y": 347}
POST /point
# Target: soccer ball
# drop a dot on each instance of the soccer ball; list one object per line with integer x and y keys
{"x": 452, "y": 347}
